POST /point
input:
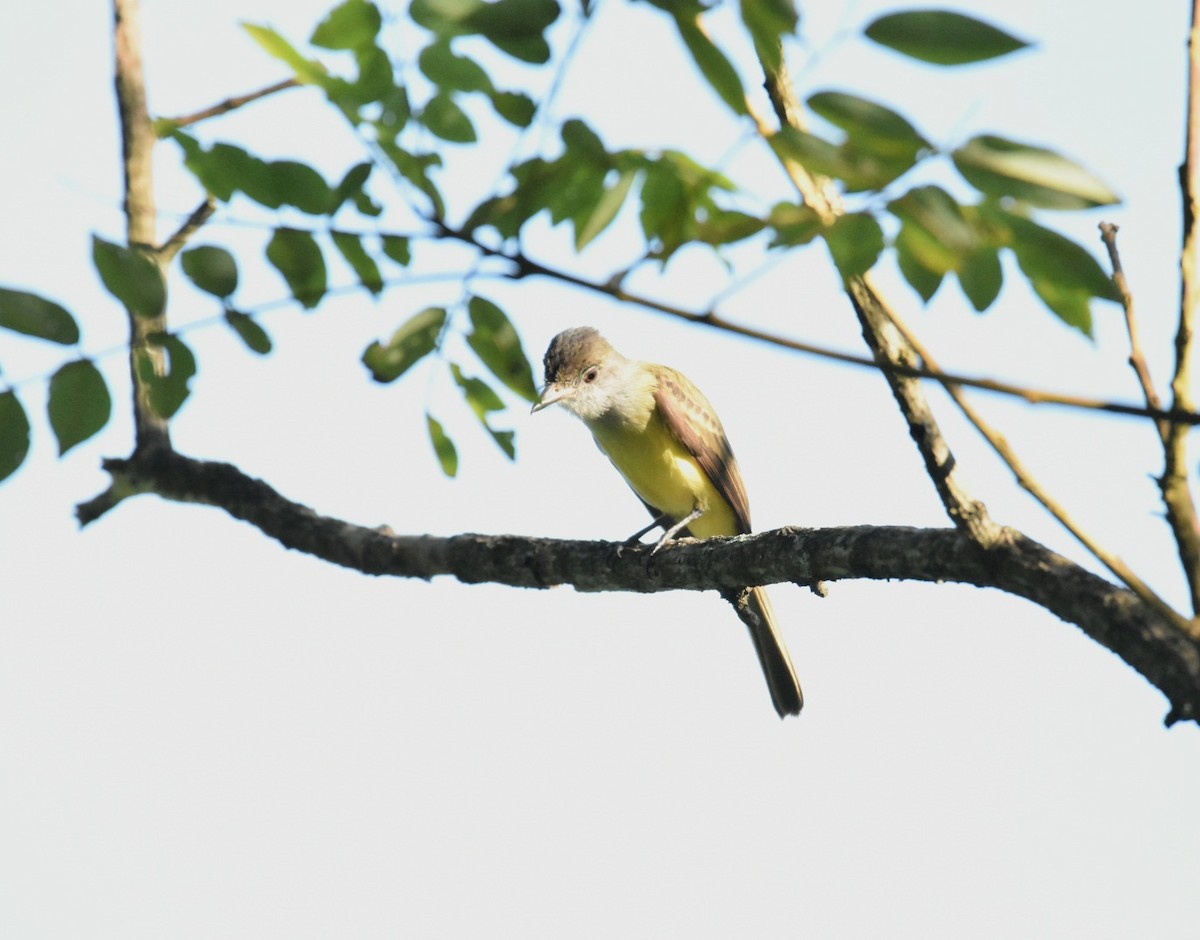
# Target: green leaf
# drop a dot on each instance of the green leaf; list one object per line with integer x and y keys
{"x": 444, "y": 17}
{"x": 937, "y": 233}
{"x": 443, "y": 447}
{"x": 452, "y": 72}
{"x": 356, "y": 256}
{"x": 495, "y": 341}
{"x": 307, "y": 70}
{"x": 768, "y": 21}
{"x": 32, "y": 315}
{"x": 483, "y": 400}
{"x": 514, "y": 107}
{"x": 79, "y": 403}
{"x": 726, "y": 226}
{"x": 131, "y": 277}
{"x": 941, "y": 37}
{"x": 417, "y": 338}
{"x": 297, "y": 184}
{"x": 1046, "y": 255}
{"x": 1070, "y": 304}
{"x": 352, "y": 25}
{"x": 351, "y": 187}
{"x": 14, "y": 434}
{"x": 445, "y": 119}
{"x": 870, "y": 126}
{"x": 415, "y": 169}
{"x": 605, "y": 210}
{"x": 167, "y": 389}
{"x": 923, "y": 279}
{"x": 249, "y": 331}
{"x": 212, "y": 269}
{"x": 1040, "y": 177}
{"x": 794, "y": 224}
{"x": 855, "y": 241}
{"x": 515, "y": 27}
{"x": 981, "y": 278}
{"x": 665, "y": 209}
{"x": 718, "y": 71}
{"x": 398, "y": 249}
{"x": 296, "y": 255}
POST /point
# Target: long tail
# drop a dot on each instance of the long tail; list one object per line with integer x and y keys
{"x": 754, "y": 609}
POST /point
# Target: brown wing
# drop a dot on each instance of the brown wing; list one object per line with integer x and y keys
{"x": 693, "y": 420}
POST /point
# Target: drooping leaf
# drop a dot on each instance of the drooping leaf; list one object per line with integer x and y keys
{"x": 296, "y": 255}
{"x": 167, "y": 387}
{"x": 351, "y": 187}
{"x": 79, "y": 403}
{"x": 250, "y": 331}
{"x": 768, "y": 21}
{"x": 367, "y": 271}
{"x": 922, "y": 278}
{"x": 415, "y": 168}
{"x": 307, "y": 70}
{"x": 937, "y": 233}
{"x": 495, "y": 341}
{"x": 483, "y": 399}
{"x": 212, "y": 269}
{"x": 413, "y": 341}
{"x": 716, "y": 68}
{"x": 131, "y": 277}
{"x": 981, "y": 278}
{"x": 350, "y": 25}
{"x": 1005, "y": 168}
{"x": 447, "y": 120}
{"x": 442, "y": 66}
{"x": 14, "y": 434}
{"x": 32, "y": 315}
{"x": 1045, "y": 254}
{"x": 942, "y": 37}
{"x": 605, "y": 210}
{"x": 855, "y": 241}
{"x": 665, "y": 209}
{"x": 397, "y": 248}
{"x": 443, "y": 447}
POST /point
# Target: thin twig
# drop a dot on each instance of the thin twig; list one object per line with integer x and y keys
{"x": 1137, "y": 359}
{"x": 192, "y": 224}
{"x": 232, "y": 104}
{"x": 527, "y": 267}
{"x": 1029, "y": 483}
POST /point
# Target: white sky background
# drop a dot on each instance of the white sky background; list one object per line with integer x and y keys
{"x": 203, "y": 735}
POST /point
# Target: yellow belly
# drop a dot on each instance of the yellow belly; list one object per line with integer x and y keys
{"x": 665, "y": 474}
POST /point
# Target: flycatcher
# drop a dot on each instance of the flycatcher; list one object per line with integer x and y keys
{"x": 666, "y": 440}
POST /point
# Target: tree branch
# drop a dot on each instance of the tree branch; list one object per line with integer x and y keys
{"x": 137, "y": 151}
{"x": 1176, "y": 492}
{"x": 232, "y": 104}
{"x": 1110, "y": 615}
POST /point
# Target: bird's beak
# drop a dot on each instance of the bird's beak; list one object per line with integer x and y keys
{"x": 553, "y": 392}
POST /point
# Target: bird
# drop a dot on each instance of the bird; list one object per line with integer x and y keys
{"x": 664, "y": 437}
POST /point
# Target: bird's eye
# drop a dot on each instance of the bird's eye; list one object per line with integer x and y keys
{"x": 590, "y": 375}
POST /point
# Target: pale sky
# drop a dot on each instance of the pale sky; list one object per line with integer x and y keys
{"x": 205, "y": 735}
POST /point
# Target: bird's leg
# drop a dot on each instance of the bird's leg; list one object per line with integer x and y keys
{"x": 660, "y": 519}
{"x": 677, "y": 528}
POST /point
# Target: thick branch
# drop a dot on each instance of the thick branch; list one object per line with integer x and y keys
{"x": 1177, "y": 495}
{"x": 1110, "y": 615}
{"x": 137, "y": 151}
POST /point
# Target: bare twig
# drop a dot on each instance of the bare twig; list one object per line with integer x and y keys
{"x": 1029, "y": 483}
{"x": 1177, "y": 494}
{"x": 528, "y": 267}
{"x": 192, "y": 224}
{"x": 232, "y": 104}
{"x": 1137, "y": 359}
